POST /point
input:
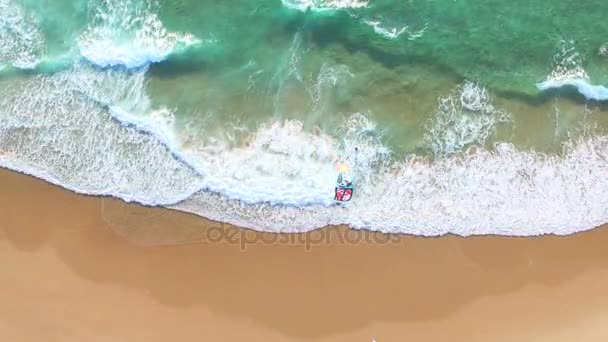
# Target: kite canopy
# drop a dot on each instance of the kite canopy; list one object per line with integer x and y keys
{"x": 342, "y": 167}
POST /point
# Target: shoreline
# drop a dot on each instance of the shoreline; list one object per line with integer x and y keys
{"x": 77, "y": 269}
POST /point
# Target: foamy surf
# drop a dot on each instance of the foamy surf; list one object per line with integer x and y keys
{"x": 134, "y": 53}
{"x": 21, "y": 42}
{"x": 465, "y": 117}
{"x": 58, "y": 128}
{"x": 301, "y": 161}
{"x": 280, "y": 151}
{"x": 507, "y": 192}
{"x": 130, "y": 34}
{"x": 51, "y": 128}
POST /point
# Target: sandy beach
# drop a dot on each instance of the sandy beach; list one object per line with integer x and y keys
{"x": 79, "y": 268}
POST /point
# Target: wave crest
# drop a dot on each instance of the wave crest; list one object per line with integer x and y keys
{"x": 568, "y": 71}
{"x": 129, "y": 33}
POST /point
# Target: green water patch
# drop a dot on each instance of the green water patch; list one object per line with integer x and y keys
{"x": 60, "y": 22}
{"x": 507, "y": 45}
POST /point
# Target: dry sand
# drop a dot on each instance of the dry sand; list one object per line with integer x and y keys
{"x": 66, "y": 275}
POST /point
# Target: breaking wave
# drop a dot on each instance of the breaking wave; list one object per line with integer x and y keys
{"x": 568, "y": 71}
{"x": 129, "y": 33}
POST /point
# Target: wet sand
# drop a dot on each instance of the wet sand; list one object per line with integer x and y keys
{"x": 79, "y": 268}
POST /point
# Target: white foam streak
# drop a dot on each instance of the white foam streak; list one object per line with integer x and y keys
{"x": 394, "y": 32}
{"x": 324, "y": 5}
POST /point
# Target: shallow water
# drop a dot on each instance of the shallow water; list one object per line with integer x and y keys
{"x": 468, "y": 118}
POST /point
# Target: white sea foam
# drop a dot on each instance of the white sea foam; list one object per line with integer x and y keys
{"x": 281, "y": 164}
{"x": 466, "y": 116}
{"x": 568, "y": 71}
{"x": 507, "y": 192}
{"x": 129, "y": 33}
{"x": 21, "y": 42}
{"x": 324, "y": 5}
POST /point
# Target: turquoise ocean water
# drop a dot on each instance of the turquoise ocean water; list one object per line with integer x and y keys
{"x": 468, "y": 117}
